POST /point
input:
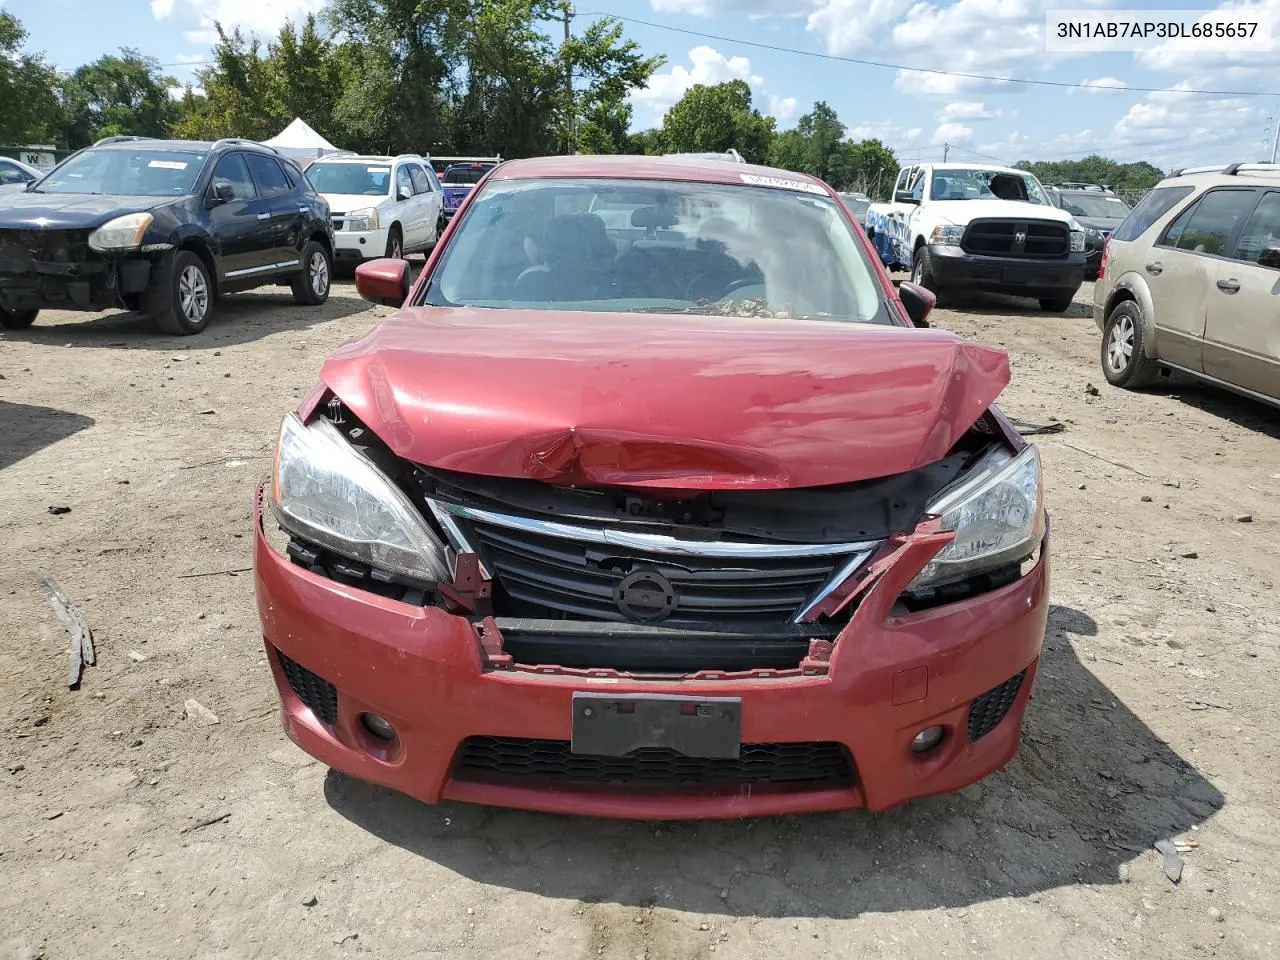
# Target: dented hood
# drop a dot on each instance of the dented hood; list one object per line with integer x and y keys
{"x": 663, "y": 400}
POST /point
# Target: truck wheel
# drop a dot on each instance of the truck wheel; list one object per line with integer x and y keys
{"x": 922, "y": 273}
{"x": 17, "y": 319}
{"x": 311, "y": 286}
{"x": 1058, "y": 304}
{"x": 181, "y": 295}
{"x": 1123, "y": 362}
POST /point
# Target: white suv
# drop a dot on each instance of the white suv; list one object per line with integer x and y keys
{"x": 381, "y": 206}
{"x": 1191, "y": 282}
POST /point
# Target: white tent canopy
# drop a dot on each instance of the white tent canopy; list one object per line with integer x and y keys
{"x": 300, "y": 142}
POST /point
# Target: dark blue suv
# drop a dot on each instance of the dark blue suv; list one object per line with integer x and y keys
{"x": 162, "y": 226}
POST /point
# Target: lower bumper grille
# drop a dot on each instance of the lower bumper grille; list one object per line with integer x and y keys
{"x": 552, "y": 762}
{"x": 314, "y": 691}
{"x": 986, "y": 711}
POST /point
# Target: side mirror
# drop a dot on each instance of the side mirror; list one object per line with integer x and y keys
{"x": 918, "y": 301}
{"x": 221, "y": 193}
{"x": 904, "y": 196}
{"x": 404, "y": 193}
{"x": 383, "y": 281}
{"x": 1270, "y": 257}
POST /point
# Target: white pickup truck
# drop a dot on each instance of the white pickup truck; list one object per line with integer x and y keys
{"x": 962, "y": 226}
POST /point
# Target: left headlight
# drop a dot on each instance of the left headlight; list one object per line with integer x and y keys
{"x": 948, "y": 235}
{"x": 326, "y": 491}
{"x": 997, "y": 513}
{"x": 122, "y": 233}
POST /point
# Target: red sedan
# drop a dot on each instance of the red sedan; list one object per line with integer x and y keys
{"x": 654, "y": 499}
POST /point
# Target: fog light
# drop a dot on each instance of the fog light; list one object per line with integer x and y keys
{"x": 377, "y": 726}
{"x": 925, "y": 740}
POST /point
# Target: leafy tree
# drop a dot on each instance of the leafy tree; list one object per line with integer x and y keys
{"x": 651, "y": 142}
{"x": 1121, "y": 177}
{"x": 717, "y": 118}
{"x": 612, "y": 67}
{"x": 117, "y": 95}
{"x": 305, "y": 75}
{"x": 238, "y": 99}
{"x": 29, "y": 108}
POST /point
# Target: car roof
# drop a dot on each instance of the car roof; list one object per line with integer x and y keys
{"x": 155, "y": 143}
{"x": 632, "y": 167}
{"x": 999, "y": 168}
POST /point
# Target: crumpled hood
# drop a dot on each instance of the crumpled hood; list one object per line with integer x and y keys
{"x": 963, "y": 211}
{"x": 663, "y": 400}
{"x": 68, "y": 211}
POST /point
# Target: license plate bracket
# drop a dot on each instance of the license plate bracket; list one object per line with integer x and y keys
{"x": 614, "y": 725}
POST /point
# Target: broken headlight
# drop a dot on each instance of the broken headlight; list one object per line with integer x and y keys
{"x": 997, "y": 513}
{"x": 122, "y": 233}
{"x": 326, "y": 491}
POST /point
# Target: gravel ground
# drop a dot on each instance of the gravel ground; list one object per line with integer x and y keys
{"x": 129, "y": 829}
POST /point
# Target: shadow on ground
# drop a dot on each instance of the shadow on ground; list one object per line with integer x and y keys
{"x": 1240, "y": 410}
{"x": 238, "y": 318}
{"x": 1091, "y": 788}
{"x": 27, "y": 429}
{"x": 998, "y": 304}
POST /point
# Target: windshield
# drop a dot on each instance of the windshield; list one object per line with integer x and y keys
{"x": 857, "y": 205}
{"x": 641, "y": 246}
{"x": 960, "y": 183}
{"x": 1094, "y": 205}
{"x": 126, "y": 173}
{"x": 467, "y": 174}
{"x": 361, "y": 179}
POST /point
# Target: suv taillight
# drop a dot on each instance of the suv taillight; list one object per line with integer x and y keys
{"x": 1102, "y": 264}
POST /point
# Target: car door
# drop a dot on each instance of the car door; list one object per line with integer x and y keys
{"x": 1242, "y": 332}
{"x": 285, "y": 218}
{"x": 427, "y": 199}
{"x": 241, "y": 227}
{"x": 1182, "y": 266}
{"x": 12, "y": 176}
{"x": 409, "y": 212}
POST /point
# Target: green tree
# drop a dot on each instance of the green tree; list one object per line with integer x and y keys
{"x": 305, "y": 75}
{"x": 29, "y": 108}
{"x": 1121, "y": 177}
{"x": 612, "y": 67}
{"x": 717, "y": 118}
{"x": 117, "y": 95}
{"x": 238, "y": 100}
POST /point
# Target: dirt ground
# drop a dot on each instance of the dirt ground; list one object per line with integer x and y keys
{"x": 130, "y": 830}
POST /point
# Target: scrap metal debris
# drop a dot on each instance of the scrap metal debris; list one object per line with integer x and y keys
{"x": 1033, "y": 429}
{"x": 80, "y": 650}
{"x": 1172, "y": 862}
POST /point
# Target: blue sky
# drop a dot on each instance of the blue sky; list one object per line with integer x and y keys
{"x": 915, "y": 113}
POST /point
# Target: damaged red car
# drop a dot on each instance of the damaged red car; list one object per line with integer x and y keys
{"x": 655, "y": 499}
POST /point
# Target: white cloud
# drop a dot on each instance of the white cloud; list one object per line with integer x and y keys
{"x": 969, "y": 110}
{"x": 752, "y": 8}
{"x": 887, "y": 132}
{"x": 850, "y": 26}
{"x": 941, "y": 86}
{"x": 177, "y": 93}
{"x": 255, "y": 16}
{"x": 952, "y": 133}
{"x": 1099, "y": 85}
{"x": 707, "y": 66}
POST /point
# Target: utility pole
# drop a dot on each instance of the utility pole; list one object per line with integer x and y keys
{"x": 946, "y": 148}
{"x": 1275, "y": 143}
{"x": 566, "y": 12}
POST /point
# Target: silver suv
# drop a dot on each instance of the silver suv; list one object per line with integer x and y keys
{"x": 1191, "y": 282}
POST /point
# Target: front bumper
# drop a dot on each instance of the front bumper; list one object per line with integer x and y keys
{"x": 351, "y": 245}
{"x": 953, "y": 268}
{"x": 427, "y": 672}
{"x": 98, "y": 283}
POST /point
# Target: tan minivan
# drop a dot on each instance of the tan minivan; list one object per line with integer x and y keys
{"x": 1191, "y": 282}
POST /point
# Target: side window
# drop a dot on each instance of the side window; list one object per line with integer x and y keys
{"x": 1215, "y": 219}
{"x": 903, "y": 176}
{"x": 404, "y": 183}
{"x": 1174, "y": 231}
{"x": 231, "y": 170}
{"x": 434, "y": 178}
{"x": 917, "y": 190}
{"x": 12, "y": 174}
{"x": 420, "y": 182}
{"x": 1152, "y": 207}
{"x": 269, "y": 174}
{"x": 1262, "y": 232}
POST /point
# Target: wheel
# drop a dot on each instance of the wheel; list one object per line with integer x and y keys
{"x": 395, "y": 244}
{"x": 1123, "y": 362}
{"x": 311, "y": 286}
{"x": 922, "y": 273}
{"x": 441, "y": 223}
{"x": 17, "y": 319}
{"x": 1058, "y": 304}
{"x": 181, "y": 296}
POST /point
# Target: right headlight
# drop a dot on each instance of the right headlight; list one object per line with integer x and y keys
{"x": 949, "y": 235}
{"x": 997, "y": 513}
{"x": 327, "y": 492}
{"x": 363, "y": 219}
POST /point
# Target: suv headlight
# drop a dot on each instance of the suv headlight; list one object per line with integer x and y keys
{"x": 122, "y": 233}
{"x": 326, "y": 491}
{"x": 948, "y": 235}
{"x": 997, "y": 513}
{"x": 366, "y": 219}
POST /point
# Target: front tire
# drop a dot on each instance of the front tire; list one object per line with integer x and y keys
{"x": 311, "y": 286}
{"x": 395, "y": 244}
{"x": 181, "y": 302}
{"x": 1058, "y": 304}
{"x": 17, "y": 319}
{"x": 1124, "y": 363}
{"x": 922, "y": 273}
